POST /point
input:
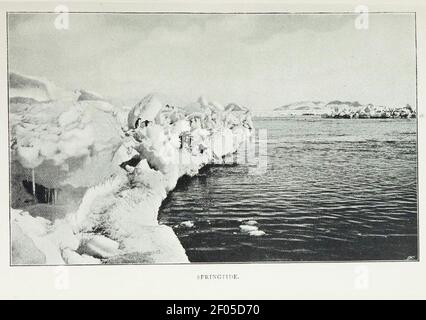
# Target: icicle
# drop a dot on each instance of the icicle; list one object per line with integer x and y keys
{"x": 33, "y": 180}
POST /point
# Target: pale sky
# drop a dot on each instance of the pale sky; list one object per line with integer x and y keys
{"x": 260, "y": 61}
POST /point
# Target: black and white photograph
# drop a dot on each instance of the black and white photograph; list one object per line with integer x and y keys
{"x": 212, "y": 138}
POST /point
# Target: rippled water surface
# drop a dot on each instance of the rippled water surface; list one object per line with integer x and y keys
{"x": 334, "y": 189}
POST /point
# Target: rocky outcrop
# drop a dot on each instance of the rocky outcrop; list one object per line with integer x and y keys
{"x": 370, "y": 112}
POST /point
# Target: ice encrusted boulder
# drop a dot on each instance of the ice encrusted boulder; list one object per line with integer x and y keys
{"x": 114, "y": 174}
{"x": 63, "y": 142}
{"x": 147, "y": 109}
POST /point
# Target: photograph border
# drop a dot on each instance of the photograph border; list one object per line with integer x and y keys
{"x": 275, "y": 262}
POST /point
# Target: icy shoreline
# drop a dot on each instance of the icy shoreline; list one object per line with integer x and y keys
{"x": 88, "y": 178}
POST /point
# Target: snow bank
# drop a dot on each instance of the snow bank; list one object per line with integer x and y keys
{"x": 115, "y": 175}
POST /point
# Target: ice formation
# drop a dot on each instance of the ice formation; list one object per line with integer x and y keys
{"x": 247, "y": 228}
{"x": 187, "y": 224}
{"x": 257, "y": 233}
{"x": 251, "y": 222}
{"x": 250, "y": 227}
{"x": 88, "y": 177}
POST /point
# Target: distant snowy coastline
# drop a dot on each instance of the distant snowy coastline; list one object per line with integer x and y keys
{"x": 340, "y": 110}
{"x": 88, "y": 177}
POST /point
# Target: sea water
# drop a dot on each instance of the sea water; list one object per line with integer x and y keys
{"x": 334, "y": 190}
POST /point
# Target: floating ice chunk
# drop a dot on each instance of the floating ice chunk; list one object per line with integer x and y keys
{"x": 257, "y": 233}
{"x": 246, "y": 228}
{"x": 251, "y": 228}
{"x": 187, "y": 224}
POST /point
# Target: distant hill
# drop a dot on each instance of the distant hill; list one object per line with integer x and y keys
{"x": 300, "y": 108}
{"x": 314, "y": 107}
{"x": 23, "y": 88}
{"x": 355, "y": 104}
